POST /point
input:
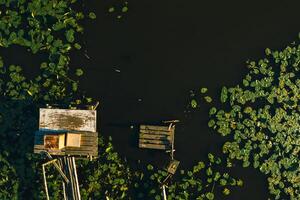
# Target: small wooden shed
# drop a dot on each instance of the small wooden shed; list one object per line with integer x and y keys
{"x": 67, "y": 132}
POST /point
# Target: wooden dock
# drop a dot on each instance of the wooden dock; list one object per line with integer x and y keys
{"x": 156, "y": 137}
{"x": 76, "y": 130}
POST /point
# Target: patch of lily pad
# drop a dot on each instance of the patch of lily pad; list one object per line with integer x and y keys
{"x": 260, "y": 117}
{"x": 199, "y": 183}
{"x": 54, "y": 28}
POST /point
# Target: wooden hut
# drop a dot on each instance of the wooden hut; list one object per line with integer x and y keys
{"x": 67, "y": 132}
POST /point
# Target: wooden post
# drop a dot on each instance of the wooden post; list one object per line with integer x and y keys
{"x": 71, "y": 189}
{"x": 164, "y": 192}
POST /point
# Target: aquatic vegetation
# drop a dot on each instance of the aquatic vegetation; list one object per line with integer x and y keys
{"x": 203, "y": 90}
{"x": 199, "y": 182}
{"x": 8, "y": 180}
{"x": 208, "y": 99}
{"x": 260, "y": 119}
{"x": 107, "y": 176}
{"x": 194, "y": 103}
{"x": 119, "y": 9}
{"x": 49, "y": 27}
{"x": 198, "y": 97}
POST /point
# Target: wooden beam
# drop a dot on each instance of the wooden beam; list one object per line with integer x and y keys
{"x": 154, "y": 146}
{"x": 157, "y": 128}
{"x": 156, "y": 132}
{"x": 154, "y": 136}
{"x": 165, "y": 142}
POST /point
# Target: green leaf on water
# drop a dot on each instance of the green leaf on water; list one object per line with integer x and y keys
{"x": 194, "y": 103}
{"x": 226, "y": 191}
{"x": 211, "y": 123}
{"x": 12, "y": 68}
{"x": 77, "y": 46}
{"x": 111, "y": 9}
{"x": 74, "y": 87}
{"x": 224, "y": 94}
{"x": 212, "y": 111}
{"x": 268, "y": 51}
{"x": 204, "y": 90}
{"x": 70, "y": 35}
{"x": 208, "y": 99}
{"x": 92, "y": 15}
{"x": 79, "y": 72}
{"x": 125, "y": 9}
{"x": 210, "y": 196}
{"x": 149, "y": 167}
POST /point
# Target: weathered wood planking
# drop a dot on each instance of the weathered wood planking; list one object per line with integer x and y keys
{"x": 67, "y": 119}
{"x": 88, "y": 145}
{"x": 156, "y": 137}
{"x": 154, "y": 146}
{"x": 156, "y": 128}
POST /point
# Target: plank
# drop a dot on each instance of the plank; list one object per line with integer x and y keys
{"x": 154, "y": 136}
{"x": 67, "y": 119}
{"x": 154, "y": 146}
{"x": 142, "y": 141}
{"x": 84, "y": 148}
{"x": 156, "y": 132}
{"x": 157, "y": 128}
{"x": 81, "y": 152}
{"x": 40, "y": 149}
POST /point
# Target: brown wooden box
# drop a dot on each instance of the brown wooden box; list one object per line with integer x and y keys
{"x": 54, "y": 142}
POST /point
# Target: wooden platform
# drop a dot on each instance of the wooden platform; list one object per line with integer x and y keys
{"x": 67, "y": 119}
{"x": 156, "y": 137}
{"x": 88, "y": 145}
{"x": 73, "y": 122}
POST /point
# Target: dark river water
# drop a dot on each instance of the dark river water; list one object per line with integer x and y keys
{"x": 142, "y": 67}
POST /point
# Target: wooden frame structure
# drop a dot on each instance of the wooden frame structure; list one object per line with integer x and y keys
{"x": 66, "y": 122}
{"x": 161, "y": 138}
{"x": 66, "y": 133}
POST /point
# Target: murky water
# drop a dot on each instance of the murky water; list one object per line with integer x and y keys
{"x": 142, "y": 68}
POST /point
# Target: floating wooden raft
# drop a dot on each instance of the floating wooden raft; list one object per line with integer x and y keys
{"x": 73, "y": 131}
{"x": 156, "y": 137}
